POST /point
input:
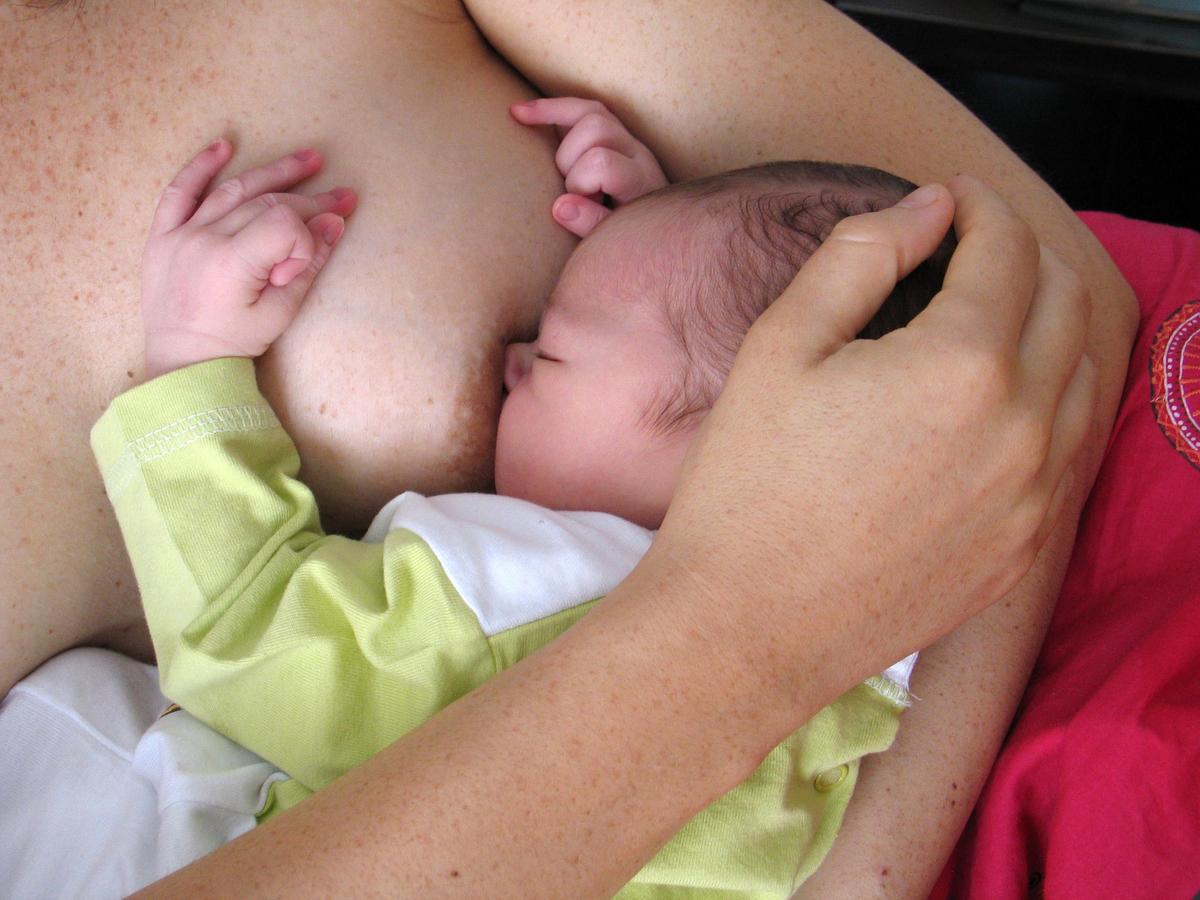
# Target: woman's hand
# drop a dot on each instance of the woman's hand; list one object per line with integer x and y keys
{"x": 225, "y": 275}
{"x": 917, "y": 474}
{"x": 597, "y": 156}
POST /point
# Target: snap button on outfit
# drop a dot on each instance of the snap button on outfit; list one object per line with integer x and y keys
{"x": 831, "y": 778}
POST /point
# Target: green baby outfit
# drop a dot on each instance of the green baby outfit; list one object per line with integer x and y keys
{"x": 316, "y": 651}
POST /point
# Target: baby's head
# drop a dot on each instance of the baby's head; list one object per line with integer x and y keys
{"x": 642, "y": 328}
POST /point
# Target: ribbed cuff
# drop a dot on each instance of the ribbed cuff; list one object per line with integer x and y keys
{"x": 168, "y": 413}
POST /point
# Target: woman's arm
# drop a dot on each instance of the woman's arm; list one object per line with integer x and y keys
{"x": 744, "y": 82}
{"x": 910, "y": 804}
{"x": 564, "y": 774}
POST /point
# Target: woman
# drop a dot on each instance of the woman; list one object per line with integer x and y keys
{"x": 452, "y": 250}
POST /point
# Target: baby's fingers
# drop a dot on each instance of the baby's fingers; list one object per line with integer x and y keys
{"x": 561, "y": 111}
{"x": 277, "y": 176}
{"x": 604, "y": 171}
{"x": 579, "y": 215}
{"x": 601, "y": 130}
{"x": 340, "y": 200}
{"x": 274, "y": 248}
{"x": 179, "y": 199}
{"x": 279, "y": 305}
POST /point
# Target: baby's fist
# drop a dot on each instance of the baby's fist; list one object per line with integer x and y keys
{"x": 225, "y": 276}
{"x": 597, "y": 156}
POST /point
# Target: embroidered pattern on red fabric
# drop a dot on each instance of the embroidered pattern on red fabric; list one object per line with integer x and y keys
{"x": 1175, "y": 380}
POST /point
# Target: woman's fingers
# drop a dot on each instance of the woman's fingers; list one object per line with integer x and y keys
{"x": 849, "y": 276}
{"x": 1075, "y": 417}
{"x": 276, "y": 176}
{"x": 340, "y": 200}
{"x": 1056, "y": 372}
{"x": 579, "y": 215}
{"x": 1055, "y": 328}
{"x": 990, "y": 281}
{"x": 179, "y": 199}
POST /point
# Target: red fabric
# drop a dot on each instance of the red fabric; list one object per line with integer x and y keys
{"x": 1096, "y": 792}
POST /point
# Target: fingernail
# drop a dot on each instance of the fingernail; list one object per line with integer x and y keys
{"x": 216, "y": 145}
{"x": 567, "y": 212}
{"x": 922, "y": 196}
{"x": 341, "y": 193}
{"x": 332, "y": 232}
{"x": 306, "y": 155}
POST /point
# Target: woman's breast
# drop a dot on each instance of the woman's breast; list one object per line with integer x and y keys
{"x": 390, "y": 378}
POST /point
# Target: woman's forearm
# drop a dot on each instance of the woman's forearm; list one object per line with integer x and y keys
{"x": 560, "y": 777}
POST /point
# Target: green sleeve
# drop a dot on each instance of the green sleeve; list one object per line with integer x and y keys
{"x": 313, "y": 651}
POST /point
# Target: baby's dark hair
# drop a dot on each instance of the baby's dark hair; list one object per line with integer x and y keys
{"x": 766, "y": 221}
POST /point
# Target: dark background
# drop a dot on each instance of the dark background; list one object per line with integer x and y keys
{"x": 1106, "y": 116}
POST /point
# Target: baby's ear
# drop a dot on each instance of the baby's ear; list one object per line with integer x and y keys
{"x": 579, "y": 214}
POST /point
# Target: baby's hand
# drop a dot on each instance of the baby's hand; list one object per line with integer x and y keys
{"x": 224, "y": 275}
{"x": 597, "y": 156}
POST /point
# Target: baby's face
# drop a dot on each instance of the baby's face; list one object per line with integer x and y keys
{"x": 571, "y": 434}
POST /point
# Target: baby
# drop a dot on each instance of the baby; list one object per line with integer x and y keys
{"x": 316, "y": 651}
{"x": 644, "y": 322}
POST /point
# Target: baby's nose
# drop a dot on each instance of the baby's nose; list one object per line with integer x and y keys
{"x": 517, "y": 360}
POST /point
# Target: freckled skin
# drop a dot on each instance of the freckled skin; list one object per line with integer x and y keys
{"x": 448, "y": 257}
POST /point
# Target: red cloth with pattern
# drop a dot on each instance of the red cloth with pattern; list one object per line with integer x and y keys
{"x": 1096, "y": 792}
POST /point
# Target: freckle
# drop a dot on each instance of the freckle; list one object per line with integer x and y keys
{"x": 118, "y": 583}
{"x": 321, "y": 409}
{"x": 76, "y": 297}
{"x": 114, "y": 118}
{"x": 25, "y": 541}
{"x": 954, "y": 784}
{"x": 19, "y": 353}
{"x": 884, "y": 873}
{"x": 17, "y": 489}
{"x": 129, "y": 373}
{"x": 51, "y": 398}
{"x": 79, "y": 213}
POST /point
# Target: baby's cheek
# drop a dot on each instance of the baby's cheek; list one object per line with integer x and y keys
{"x": 514, "y": 453}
